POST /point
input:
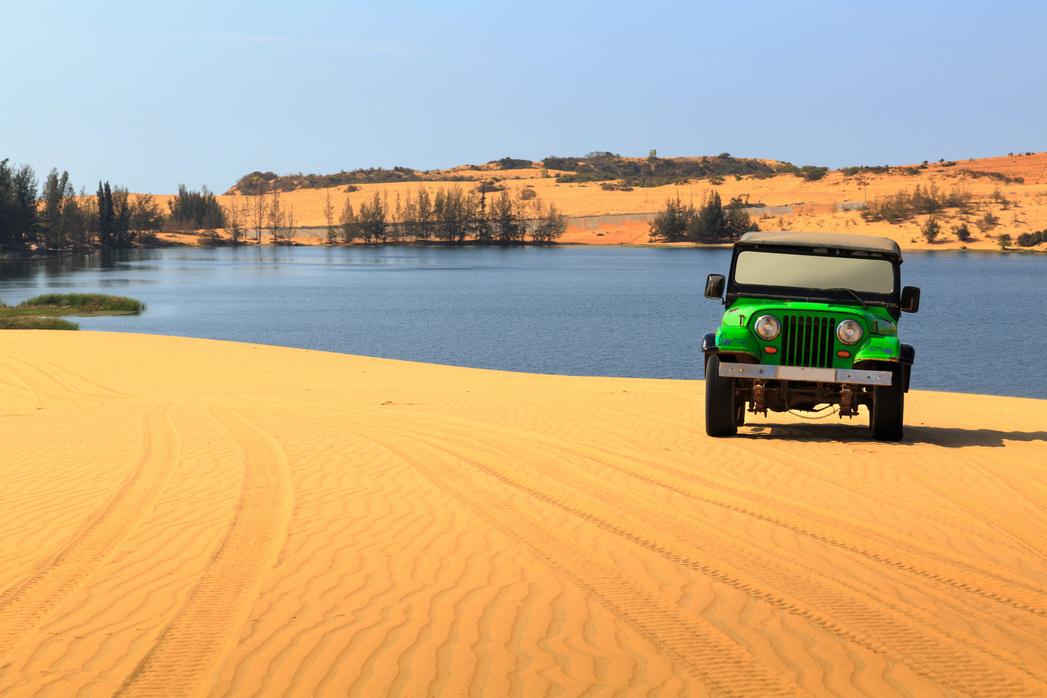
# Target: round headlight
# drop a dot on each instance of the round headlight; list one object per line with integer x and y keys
{"x": 849, "y": 332}
{"x": 767, "y": 327}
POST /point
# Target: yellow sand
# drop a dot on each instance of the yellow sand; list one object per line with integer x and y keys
{"x": 196, "y": 518}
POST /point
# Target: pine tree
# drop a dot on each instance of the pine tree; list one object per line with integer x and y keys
{"x": 347, "y": 222}
{"x": 105, "y": 215}
{"x": 671, "y": 224}
{"x": 332, "y": 235}
{"x": 709, "y": 225}
{"x": 372, "y": 220}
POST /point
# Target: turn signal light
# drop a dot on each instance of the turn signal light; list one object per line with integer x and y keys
{"x": 771, "y": 350}
{"x": 844, "y": 354}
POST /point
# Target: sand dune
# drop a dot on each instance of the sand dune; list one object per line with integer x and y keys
{"x": 196, "y": 518}
{"x": 1022, "y": 208}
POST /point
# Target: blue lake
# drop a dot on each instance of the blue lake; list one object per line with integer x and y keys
{"x": 605, "y": 311}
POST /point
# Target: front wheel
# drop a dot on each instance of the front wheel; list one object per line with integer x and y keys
{"x": 888, "y": 409}
{"x": 721, "y": 416}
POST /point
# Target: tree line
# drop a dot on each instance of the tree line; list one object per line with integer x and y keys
{"x": 55, "y": 216}
{"x": 450, "y": 216}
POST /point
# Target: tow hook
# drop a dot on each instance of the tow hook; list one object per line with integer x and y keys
{"x": 758, "y": 398}
{"x": 846, "y": 402}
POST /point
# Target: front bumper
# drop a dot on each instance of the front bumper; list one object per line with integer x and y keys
{"x": 850, "y": 376}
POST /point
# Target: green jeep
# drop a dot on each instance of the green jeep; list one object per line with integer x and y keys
{"x": 810, "y": 322}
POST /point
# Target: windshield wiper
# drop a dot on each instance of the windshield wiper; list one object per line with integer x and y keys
{"x": 850, "y": 291}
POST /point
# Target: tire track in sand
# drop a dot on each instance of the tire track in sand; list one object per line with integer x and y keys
{"x": 189, "y": 651}
{"x": 1023, "y": 522}
{"x": 939, "y": 565}
{"x": 701, "y": 651}
{"x": 24, "y": 607}
{"x": 50, "y": 382}
{"x": 849, "y": 610}
{"x": 856, "y": 613}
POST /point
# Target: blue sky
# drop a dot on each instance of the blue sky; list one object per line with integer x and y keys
{"x": 148, "y": 95}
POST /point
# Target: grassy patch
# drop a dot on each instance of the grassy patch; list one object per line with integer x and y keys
{"x": 36, "y": 323}
{"x": 38, "y": 313}
{"x": 71, "y": 303}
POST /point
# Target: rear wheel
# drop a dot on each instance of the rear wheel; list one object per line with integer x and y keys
{"x": 888, "y": 409}
{"x": 721, "y": 416}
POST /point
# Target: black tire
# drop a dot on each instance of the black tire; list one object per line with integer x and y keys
{"x": 721, "y": 418}
{"x": 739, "y": 412}
{"x": 888, "y": 410}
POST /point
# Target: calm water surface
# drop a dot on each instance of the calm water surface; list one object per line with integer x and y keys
{"x": 579, "y": 311}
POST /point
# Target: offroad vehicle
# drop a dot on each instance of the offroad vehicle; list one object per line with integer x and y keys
{"x": 810, "y": 322}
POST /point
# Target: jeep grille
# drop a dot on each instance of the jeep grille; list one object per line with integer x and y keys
{"x": 807, "y": 341}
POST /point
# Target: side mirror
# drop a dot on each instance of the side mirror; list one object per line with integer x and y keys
{"x": 910, "y": 299}
{"x": 714, "y": 286}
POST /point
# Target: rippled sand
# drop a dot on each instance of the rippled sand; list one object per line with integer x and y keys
{"x": 199, "y": 518}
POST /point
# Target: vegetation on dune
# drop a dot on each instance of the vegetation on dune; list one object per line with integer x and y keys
{"x": 598, "y": 166}
{"x": 928, "y": 200}
{"x": 938, "y": 206}
{"x": 931, "y": 228}
{"x": 864, "y": 169}
{"x": 512, "y": 164}
{"x": 256, "y": 183}
{"x": 1032, "y": 239}
{"x": 654, "y": 171}
{"x": 998, "y": 176}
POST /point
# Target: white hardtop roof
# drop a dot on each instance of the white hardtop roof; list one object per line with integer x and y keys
{"x": 838, "y": 240}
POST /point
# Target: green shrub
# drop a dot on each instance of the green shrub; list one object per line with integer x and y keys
{"x": 811, "y": 173}
{"x": 999, "y": 176}
{"x": 513, "y": 164}
{"x": 489, "y": 186}
{"x": 987, "y": 222}
{"x": 1032, "y": 239}
{"x": 931, "y": 228}
{"x": 903, "y": 205}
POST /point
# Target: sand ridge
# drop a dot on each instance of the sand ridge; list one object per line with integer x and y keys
{"x": 200, "y": 518}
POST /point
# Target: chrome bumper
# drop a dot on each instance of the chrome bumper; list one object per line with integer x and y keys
{"x": 802, "y": 373}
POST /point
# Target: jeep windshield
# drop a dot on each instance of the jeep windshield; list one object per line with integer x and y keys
{"x": 852, "y": 274}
